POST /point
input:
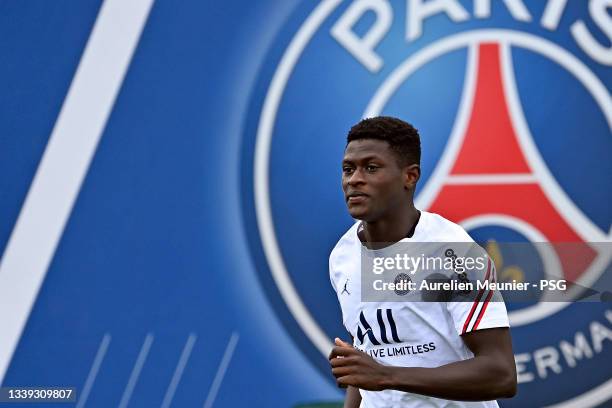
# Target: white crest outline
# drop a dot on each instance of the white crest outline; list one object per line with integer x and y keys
{"x": 263, "y": 210}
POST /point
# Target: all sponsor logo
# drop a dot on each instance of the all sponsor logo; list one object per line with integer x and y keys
{"x": 386, "y": 338}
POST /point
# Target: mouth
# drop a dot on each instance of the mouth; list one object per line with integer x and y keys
{"x": 356, "y": 197}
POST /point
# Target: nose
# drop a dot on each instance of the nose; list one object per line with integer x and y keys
{"x": 355, "y": 178}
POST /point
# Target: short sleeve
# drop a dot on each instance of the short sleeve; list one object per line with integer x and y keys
{"x": 484, "y": 310}
{"x": 331, "y": 273}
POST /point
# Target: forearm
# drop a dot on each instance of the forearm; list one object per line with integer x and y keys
{"x": 480, "y": 378}
{"x": 353, "y": 397}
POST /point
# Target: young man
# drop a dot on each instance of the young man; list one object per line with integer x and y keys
{"x": 458, "y": 351}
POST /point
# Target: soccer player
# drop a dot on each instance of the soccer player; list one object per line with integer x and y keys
{"x": 408, "y": 354}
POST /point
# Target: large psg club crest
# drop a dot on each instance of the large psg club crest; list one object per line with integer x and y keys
{"x": 512, "y": 100}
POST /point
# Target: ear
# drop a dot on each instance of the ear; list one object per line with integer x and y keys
{"x": 412, "y": 174}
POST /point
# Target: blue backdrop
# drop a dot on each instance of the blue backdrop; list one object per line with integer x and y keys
{"x": 162, "y": 287}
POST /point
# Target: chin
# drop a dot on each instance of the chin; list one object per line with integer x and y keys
{"x": 359, "y": 214}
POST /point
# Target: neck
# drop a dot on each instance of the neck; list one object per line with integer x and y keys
{"x": 390, "y": 229}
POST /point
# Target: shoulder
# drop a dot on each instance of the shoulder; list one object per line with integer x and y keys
{"x": 346, "y": 245}
{"x": 344, "y": 256}
{"x": 438, "y": 228}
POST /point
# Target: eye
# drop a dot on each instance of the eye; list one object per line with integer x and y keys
{"x": 347, "y": 169}
{"x": 370, "y": 168}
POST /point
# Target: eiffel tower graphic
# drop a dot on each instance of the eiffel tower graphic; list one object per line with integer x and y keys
{"x": 491, "y": 173}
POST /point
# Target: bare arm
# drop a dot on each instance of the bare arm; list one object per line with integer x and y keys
{"x": 353, "y": 398}
{"x": 489, "y": 375}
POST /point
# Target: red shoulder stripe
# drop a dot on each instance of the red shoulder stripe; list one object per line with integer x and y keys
{"x": 475, "y": 304}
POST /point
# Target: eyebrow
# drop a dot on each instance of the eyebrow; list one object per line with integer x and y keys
{"x": 362, "y": 159}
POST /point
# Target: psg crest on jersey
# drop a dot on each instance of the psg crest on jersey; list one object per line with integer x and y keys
{"x": 512, "y": 101}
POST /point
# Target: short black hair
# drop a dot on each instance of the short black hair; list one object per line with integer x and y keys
{"x": 402, "y": 137}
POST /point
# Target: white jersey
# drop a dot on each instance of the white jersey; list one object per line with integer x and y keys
{"x": 409, "y": 334}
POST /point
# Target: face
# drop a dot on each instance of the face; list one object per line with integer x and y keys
{"x": 374, "y": 183}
